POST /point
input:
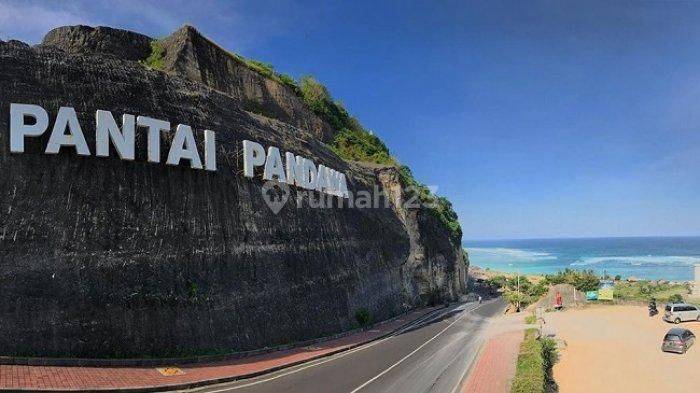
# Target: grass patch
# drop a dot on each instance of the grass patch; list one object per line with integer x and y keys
{"x": 645, "y": 290}
{"x": 531, "y": 319}
{"x": 268, "y": 70}
{"x": 155, "y": 60}
{"x": 535, "y": 361}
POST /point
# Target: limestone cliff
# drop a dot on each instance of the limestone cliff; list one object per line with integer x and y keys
{"x": 102, "y": 257}
{"x": 436, "y": 265}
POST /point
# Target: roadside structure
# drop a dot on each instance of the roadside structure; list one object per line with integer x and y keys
{"x": 696, "y": 287}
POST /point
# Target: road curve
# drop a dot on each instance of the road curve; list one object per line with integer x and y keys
{"x": 433, "y": 357}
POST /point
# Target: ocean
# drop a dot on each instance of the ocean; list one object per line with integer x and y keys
{"x": 670, "y": 258}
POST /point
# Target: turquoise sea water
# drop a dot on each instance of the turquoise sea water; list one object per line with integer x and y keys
{"x": 645, "y": 258}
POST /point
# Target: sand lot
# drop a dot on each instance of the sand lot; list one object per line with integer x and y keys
{"x": 618, "y": 349}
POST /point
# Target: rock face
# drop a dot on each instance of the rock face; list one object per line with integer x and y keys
{"x": 436, "y": 267}
{"x": 192, "y": 56}
{"x": 103, "y": 257}
{"x": 100, "y": 40}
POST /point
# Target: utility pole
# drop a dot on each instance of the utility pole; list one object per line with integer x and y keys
{"x": 517, "y": 272}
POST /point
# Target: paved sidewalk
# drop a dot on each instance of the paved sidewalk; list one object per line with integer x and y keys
{"x": 494, "y": 370}
{"x": 53, "y": 378}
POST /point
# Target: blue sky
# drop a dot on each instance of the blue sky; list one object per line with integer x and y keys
{"x": 537, "y": 119}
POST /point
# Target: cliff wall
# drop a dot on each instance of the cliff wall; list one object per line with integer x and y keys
{"x": 104, "y": 257}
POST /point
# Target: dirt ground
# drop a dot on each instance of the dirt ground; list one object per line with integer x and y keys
{"x": 618, "y": 349}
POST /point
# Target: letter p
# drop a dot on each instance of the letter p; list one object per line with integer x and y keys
{"x": 19, "y": 129}
{"x": 253, "y": 155}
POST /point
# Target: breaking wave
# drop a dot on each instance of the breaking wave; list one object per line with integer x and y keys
{"x": 642, "y": 260}
{"x": 507, "y": 254}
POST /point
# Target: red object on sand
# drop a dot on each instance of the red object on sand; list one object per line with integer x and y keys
{"x": 558, "y": 301}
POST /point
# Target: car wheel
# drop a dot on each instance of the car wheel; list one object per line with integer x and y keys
{"x": 677, "y": 321}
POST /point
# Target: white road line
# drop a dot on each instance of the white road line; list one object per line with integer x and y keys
{"x": 296, "y": 370}
{"x": 415, "y": 350}
{"x": 330, "y": 359}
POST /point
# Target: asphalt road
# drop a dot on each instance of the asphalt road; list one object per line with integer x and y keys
{"x": 433, "y": 357}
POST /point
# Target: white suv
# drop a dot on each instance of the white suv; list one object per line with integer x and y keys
{"x": 681, "y": 312}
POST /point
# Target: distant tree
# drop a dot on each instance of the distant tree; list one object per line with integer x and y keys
{"x": 676, "y": 298}
{"x": 583, "y": 280}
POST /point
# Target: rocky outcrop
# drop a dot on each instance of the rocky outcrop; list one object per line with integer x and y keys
{"x": 100, "y": 40}
{"x": 436, "y": 267}
{"x": 103, "y": 257}
{"x": 190, "y": 55}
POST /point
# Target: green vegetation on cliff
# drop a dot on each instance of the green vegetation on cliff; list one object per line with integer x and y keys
{"x": 360, "y": 145}
{"x": 317, "y": 97}
{"x": 155, "y": 60}
{"x": 354, "y": 143}
{"x": 440, "y": 207}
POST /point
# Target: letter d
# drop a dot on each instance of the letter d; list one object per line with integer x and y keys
{"x": 19, "y": 129}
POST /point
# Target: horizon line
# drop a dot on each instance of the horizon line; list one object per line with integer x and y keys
{"x": 585, "y": 237}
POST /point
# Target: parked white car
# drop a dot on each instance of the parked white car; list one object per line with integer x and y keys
{"x": 681, "y": 312}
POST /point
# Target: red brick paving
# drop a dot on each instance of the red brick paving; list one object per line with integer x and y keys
{"x": 15, "y": 377}
{"x": 495, "y": 367}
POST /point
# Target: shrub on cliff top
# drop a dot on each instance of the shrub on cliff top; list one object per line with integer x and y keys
{"x": 360, "y": 145}
{"x": 266, "y": 69}
{"x": 439, "y": 206}
{"x": 445, "y": 213}
{"x": 290, "y": 82}
{"x": 155, "y": 60}
{"x": 319, "y": 100}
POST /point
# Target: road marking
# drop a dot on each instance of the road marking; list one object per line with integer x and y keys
{"x": 416, "y": 350}
{"x": 331, "y": 358}
{"x": 314, "y": 364}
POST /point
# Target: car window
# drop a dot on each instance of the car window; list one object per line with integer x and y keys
{"x": 671, "y": 337}
{"x": 668, "y": 308}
